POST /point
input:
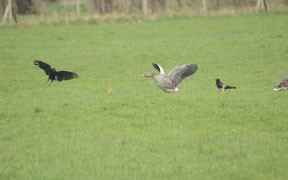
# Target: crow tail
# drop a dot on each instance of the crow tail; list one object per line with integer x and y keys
{"x": 230, "y": 87}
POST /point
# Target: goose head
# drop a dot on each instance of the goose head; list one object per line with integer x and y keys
{"x": 147, "y": 75}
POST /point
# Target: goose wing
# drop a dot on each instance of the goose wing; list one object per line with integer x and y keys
{"x": 179, "y": 73}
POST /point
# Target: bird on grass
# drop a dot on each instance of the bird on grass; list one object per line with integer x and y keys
{"x": 283, "y": 85}
{"x": 168, "y": 83}
{"x": 53, "y": 74}
{"x": 110, "y": 91}
{"x": 222, "y": 87}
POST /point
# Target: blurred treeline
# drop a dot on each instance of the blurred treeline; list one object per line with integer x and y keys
{"x": 135, "y": 6}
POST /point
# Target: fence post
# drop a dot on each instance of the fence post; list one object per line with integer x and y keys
{"x": 144, "y": 7}
{"x": 204, "y": 6}
{"x": 10, "y": 12}
{"x": 77, "y": 8}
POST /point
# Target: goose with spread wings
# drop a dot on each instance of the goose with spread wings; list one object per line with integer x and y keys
{"x": 53, "y": 74}
{"x": 168, "y": 83}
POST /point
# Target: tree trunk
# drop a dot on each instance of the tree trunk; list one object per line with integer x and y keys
{"x": 102, "y": 6}
{"x": 156, "y": 5}
{"x": 3, "y": 5}
{"x": 136, "y": 6}
{"x": 265, "y": 5}
{"x": 180, "y": 3}
{"x": 25, "y": 7}
{"x": 217, "y": 5}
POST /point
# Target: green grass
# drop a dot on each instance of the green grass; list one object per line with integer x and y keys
{"x": 74, "y": 130}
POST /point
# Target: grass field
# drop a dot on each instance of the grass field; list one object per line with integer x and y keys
{"x": 74, "y": 130}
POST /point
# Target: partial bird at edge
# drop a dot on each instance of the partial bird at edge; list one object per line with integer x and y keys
{"x": 283, "y": 85}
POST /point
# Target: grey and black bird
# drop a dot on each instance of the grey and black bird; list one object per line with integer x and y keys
{"x": 53, "y": 74}
{"x": 283, "y": 85}
{"x": 223, "y": 86}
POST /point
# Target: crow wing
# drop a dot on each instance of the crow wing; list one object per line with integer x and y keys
{"x": 65, "y": 75}
{"x": 44, "y": 66}
{"x": 179, "y": 73}
{"x": 220, "y": 85}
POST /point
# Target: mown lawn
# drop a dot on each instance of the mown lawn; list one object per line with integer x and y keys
{"x": 74, "y": 130}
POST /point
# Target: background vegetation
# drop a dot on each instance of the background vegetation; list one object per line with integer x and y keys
{"x": 74, "y": 130}
{"x": 136, "y": 6}
{"x": 35, "y": 12}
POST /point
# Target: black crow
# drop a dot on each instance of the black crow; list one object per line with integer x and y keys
{"x": 53, "y": 74}
{"x": 223, "y": 86}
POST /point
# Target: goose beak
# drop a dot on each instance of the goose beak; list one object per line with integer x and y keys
{"x": 142, "y": 75}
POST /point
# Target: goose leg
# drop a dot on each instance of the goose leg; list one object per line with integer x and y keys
{"x": 171, "y": 90}
{"x": 174, "y": 90}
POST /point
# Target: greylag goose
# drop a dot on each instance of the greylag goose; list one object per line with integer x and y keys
{"x": 168, "y": 83}
{"x": 283, "y": 85}
{"x": 222, "y": 87}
